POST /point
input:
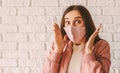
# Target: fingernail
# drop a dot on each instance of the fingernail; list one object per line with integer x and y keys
{"x": 100, "y": 25}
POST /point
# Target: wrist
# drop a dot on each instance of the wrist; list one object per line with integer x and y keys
{"x": 57, "y": 51}
{"x": 88, "y": 51}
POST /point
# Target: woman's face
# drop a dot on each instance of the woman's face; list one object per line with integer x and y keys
{"x": 74, "y": 18}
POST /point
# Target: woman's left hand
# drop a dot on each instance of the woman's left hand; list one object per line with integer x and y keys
{"x": 89, "y": 44}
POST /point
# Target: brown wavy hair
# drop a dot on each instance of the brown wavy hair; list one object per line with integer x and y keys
{"x": 89, "y": 24}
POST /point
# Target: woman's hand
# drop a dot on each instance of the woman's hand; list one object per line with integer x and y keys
{"x": 89, "y": 44}
{"x": 59, "y": 42}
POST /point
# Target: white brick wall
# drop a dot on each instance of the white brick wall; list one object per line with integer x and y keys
{"x": 16, "y": 70}
{"x": 28, "y": 11}
{"x": 26, "y": 32}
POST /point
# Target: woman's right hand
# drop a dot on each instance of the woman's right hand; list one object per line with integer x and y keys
{"x": 59, "y": 42}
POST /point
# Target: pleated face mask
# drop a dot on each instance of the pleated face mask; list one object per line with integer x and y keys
{"x": 75, "y": 33}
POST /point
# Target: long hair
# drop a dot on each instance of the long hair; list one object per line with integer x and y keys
{"x": 89, "y": 24}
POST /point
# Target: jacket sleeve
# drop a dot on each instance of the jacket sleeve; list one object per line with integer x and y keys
{"x": 52, "y": 61}
{"x": 99, "y": 63}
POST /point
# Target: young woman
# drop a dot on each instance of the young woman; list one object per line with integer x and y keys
{"x": 77, "y": 47}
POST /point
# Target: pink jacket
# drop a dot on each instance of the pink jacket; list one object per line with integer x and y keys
{"x": 97, "y": 62}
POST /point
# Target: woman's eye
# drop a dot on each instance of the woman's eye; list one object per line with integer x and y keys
{"x": 77, "y": 21}
{"x": 67, "y": 22}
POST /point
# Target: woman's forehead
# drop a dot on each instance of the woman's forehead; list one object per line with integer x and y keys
{"x": 73, "y": 14}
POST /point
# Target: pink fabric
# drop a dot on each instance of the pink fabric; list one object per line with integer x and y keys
{"x": 75, "y": 33}
{"x": 97, "y": 62}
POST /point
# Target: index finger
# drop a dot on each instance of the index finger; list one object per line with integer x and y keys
{"x": 96, "y": 32}
{"x": 99, "y": 27}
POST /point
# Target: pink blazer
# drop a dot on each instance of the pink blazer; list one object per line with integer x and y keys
{"x": 97, "y": 62}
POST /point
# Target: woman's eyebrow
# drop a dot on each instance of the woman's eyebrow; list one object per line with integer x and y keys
{"x": 66, "y": 18}
{"x": 74, "y": 18}
{"x": 77, "y": 17}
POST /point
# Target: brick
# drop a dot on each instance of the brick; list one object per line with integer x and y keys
{"x": 112, "y": 53}
{"x": 49, "y": 45}
{"x": 117, "y": 54}
{"x": 37, "y": 37}
{"x": 109, "y": 3}
{"x": 111, "y": 70}
{"x": 15, "y": 55}
{"x": 0, "y": 20}
{"x": 0, "y": 70}
{"x": 92, "y": 3}
{"x": 7, "y": 11}
{"x": 44, "y": 3}
{"x": 29, "y": 63}
{"x": 36, "y": 70}
{"x": 111, "y": 11}
{"x": 117, "y": 70}
{"x": 31, "y": 46}
{"x": 94, "y": 10}
{"x": 106, "y": 36}
{"x": 0, "y": 38}
{"x": 55, "y": 10}
{"x": 0, "y": 54}
{"x": 8, "y": 3}
{"x": 8, "y": 28}
{"x": 115, "y": 64}
{"x": 117, "y": 37}
{"x": 26, "y": 2}
{"x": 41, "y": 37}
{"x": 72, "y": 2}
{"x": 31, "y": 11}
{"x": 50, "y": 28}
{"x": 115, "y": 45}
{"x": 38, "y": 54}
{"x": 14, "y": 20}
{"x": 4, "y": 11}
{"x": 12, "y": 11}
{"x": 111, "y": 28}
{"x": 58, "y": 20}
{"x": 117, "y": 2}
{"x": 32, "y": 28}
{"x": 16, "y": 70}
{"x": 15, "y": 37}
{"x": 49, "y": 37}
{"x": 106, "y": 3}
{"x": 118, "y": 28}
{"x": 116, "y": 19}
{"x": 0, "y": 5}
{"x": 8, "y": 63}
{"x": 8, "y": 46}
{"x": 103, "y": 19}
{"x": 44, "y": 20}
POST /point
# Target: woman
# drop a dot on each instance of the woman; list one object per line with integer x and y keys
{"x": 77, "y": 47}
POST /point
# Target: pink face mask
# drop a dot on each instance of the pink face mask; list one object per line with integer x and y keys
{"x": 75, "y": 33}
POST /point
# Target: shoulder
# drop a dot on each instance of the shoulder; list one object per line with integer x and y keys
{"x": 102, "y": 45}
